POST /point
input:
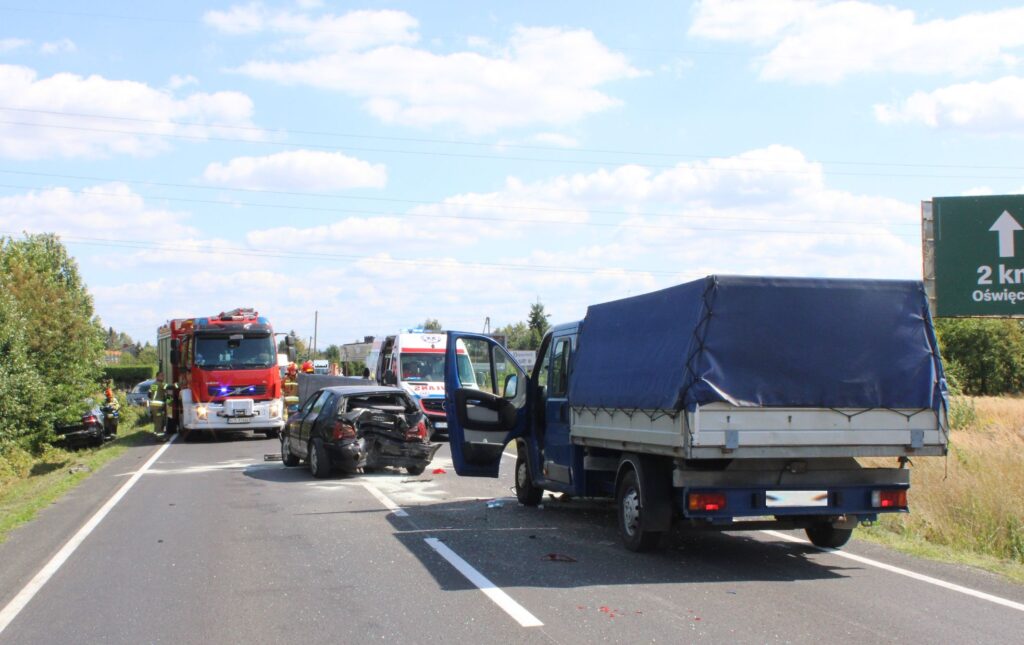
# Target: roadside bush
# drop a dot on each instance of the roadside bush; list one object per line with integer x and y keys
{"x": 64, "y": 340}
{"x": 125, "y": 376}
{"x": 986, "y": 356}
{"x": 21, "y": 389}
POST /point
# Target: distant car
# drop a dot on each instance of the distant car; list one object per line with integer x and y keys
{"x": 347, "y": 427}
{"x": 139, "y": 395}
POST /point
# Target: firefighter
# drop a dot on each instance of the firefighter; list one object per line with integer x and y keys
{"x": 157, "y": 403}
{"x": 307, "y": 367}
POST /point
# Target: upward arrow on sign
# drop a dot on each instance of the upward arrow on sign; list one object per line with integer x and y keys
{"x": 1006, "y": 226}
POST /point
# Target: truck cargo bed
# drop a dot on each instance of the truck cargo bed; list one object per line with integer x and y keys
{"x": 721, "y": 430}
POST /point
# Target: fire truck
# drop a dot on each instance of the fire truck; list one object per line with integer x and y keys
{"x": 221, "y": 373}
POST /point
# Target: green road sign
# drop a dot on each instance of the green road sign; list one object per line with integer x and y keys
{"x": 979, "y": 255}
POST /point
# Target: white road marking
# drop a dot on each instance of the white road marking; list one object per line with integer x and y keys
{"x": 14, "y": 607}
{"x": 905, "y": 572}
{"x": 386, "y": 501}
{"x": 497, "y": 596}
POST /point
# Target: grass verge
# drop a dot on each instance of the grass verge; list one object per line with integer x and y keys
{"x": 53, "y": 473}
{"x": 969, "y": 507}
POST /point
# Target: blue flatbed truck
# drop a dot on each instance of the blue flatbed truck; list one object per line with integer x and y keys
{"x": 727, "y": 403}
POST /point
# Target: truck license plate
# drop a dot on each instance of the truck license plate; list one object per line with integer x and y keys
{"x": 791, "y": 498}
{"x": 238, "y": 419}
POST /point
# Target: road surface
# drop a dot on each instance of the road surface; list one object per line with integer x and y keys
{"x": 211, "y": 543}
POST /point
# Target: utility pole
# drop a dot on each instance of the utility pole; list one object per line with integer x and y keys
{"x": 316, "y": 321}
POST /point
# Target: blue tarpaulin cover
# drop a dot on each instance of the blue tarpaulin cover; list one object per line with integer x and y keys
{"x": 761, "y": 341}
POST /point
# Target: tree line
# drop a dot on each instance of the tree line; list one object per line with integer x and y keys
{"x": 51, "y": 342}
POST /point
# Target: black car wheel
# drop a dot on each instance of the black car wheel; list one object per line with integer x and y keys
{"x": 319, "y": 461}
{"x": 287, "y": 456}
{"x": 415, "y": 470}
{"x": 526, "y": 492}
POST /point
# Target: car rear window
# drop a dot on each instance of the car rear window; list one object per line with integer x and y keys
{"x": 386, "y": 402}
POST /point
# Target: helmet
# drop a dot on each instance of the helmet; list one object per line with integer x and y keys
{"x": 292, "y": 370}
{"x": 307, "y": 367}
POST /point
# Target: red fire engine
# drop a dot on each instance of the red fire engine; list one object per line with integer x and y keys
{"x": 221, "y": 373}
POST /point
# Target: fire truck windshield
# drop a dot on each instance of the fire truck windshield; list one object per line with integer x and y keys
{"x": 234, "y": 352}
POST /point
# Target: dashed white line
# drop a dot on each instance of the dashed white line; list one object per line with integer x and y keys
{"x": 905, "y": 572}
{"x": 14, "y": 607}
{"x": 385, "y": 500}
{"x": 497, "y": 596}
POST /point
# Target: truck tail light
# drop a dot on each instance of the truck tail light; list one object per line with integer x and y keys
{"x": 90, "y": 419}
{"x": 706, "y": 501}
{"x": 343, "y": 430}
{"x": 889, "y": 498}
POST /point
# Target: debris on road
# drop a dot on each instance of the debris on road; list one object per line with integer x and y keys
{"x": 495, "y": 503}
{"x": 558, "y": 557}
{"x": 272, "y": 457}
{"x": 439, "y": 471}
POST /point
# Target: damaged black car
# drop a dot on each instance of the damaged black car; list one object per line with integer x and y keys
{"x": 350, "y": 427}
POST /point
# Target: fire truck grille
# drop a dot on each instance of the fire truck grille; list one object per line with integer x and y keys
{"x": 236, "y": 390}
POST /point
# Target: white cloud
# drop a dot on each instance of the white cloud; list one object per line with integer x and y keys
{"x": 544, "y": 76}
{"x": 62, "y": 46}
{"x": 101, "y": 211}
{"x": 177, "y": 81}
{"x": 40, "y": 135}
{"x": 813, "y": 41}
{"x": 994, "y": 108}
{"x": 298, "y": 170}
{"x": 11, "y": 44}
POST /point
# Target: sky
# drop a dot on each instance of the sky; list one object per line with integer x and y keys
{"x": 384, "y": 163}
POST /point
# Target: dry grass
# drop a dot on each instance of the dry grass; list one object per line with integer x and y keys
{"x": 973, "y": 501}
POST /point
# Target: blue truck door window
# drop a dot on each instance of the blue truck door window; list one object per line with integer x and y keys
{"x": 557, "y": 447}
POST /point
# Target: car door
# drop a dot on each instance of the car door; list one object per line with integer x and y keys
{"x": 310, "y": 418}
{"x": 485, "y": 402}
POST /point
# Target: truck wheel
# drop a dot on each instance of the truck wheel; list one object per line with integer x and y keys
{"x": 415, "y": 470}
{"x": 827, "y": 536}
{"x": 272, "y": 434}
{"x": 287, "y": 456}
{"x": 319, "y": 461}
{"x": 631, "y": 520}
{"x": 526, "y": 492}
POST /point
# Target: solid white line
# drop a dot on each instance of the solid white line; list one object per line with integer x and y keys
{"x": 385, "y": 500}
{"x": 13, "y": 608}
{"x": 497, "y": 596}
{"x": 905, "y": 572}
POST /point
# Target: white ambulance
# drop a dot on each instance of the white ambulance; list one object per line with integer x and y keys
{"x": 414, "y": 361}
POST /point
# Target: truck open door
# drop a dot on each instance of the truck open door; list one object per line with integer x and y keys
{"x": 485, "y": 402}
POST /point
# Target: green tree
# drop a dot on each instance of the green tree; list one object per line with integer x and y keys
{"x": 538, "y": 324}
{"x": 432, "y": 324}
{"x": 333, "y": 354}
{"x": 517, "y": 335}
{"x": 21, "y": 417}
{"x": 986, "y": 357}
{"x": 65, "y": 340}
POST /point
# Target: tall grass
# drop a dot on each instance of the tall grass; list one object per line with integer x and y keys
{"x": 972, "y": 501}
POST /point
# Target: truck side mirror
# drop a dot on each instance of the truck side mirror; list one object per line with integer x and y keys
{"x": 291, "y": 352}
{"x": 511, "y": 386}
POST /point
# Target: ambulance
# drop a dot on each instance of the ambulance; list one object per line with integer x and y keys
{"x": 414, "y": 361}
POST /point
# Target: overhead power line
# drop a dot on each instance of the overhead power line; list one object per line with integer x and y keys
{"x": 734, "y": 165}
{"x": 501, "y": 219}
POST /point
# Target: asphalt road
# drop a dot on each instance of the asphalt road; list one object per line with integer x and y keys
{"x": 214, "y": 544}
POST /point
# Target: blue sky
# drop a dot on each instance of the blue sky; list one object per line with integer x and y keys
{"x": 388, "y": 162}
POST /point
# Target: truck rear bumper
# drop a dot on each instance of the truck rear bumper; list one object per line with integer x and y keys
{"x": 785, "y": 503}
